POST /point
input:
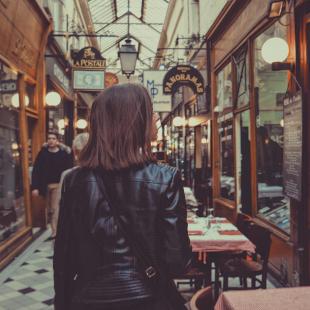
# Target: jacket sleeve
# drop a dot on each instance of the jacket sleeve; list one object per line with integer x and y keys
{"x": 63, "y": 263}
{"x": 37, "y": 168}
{"x": 175, "y": 241}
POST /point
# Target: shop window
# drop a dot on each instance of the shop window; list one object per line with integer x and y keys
{"x": 203, "y": 171}
{"x": 12, "y": 208}
{"x": 190, "y": 156}
{"x": 224, "y": 88}
{"x": 241, "y": 63}
{"x": 226, "y": 156}
{"x": 30, "y": 100}
{"x": 243, "y": 162}
{"x": 270, "y": 88}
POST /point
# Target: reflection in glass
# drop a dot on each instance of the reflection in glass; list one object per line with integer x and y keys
{"x": 243, "y": 162}
{"x": 227, "y": 178}
{"x": 224, "y": 88}
{"x": 241, "y": 62}
{"x": 270, "y": 88}
{"x": 12, "y": 209}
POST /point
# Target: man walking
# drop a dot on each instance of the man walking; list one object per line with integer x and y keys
{"x": 51, "y": 161}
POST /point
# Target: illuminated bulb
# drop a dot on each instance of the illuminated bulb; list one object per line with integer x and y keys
{"x": 192, "y": 122}
{"x": 14, "y": 146}
{"x": 282, "y": 122}
{"x": 178, "y": 121}
{"x": 61, "y": 124}
{"x": 15, "y": 101}
{"x": 52, "y": 99}
{"x": 204, "y": 141}
{"x": 275, "y": 50}
{"x": 81, "y": 123}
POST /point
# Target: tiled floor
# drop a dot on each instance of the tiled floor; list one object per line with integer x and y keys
{"x": 28, "y": 282}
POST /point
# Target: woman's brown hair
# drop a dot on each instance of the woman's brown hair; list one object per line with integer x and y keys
{"x": 120, "y": 129}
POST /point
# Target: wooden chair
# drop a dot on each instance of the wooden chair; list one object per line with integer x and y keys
{"x": 202, "y": 299}
{"x": 245, "y": 268}
{"x": 243, "y": 222}
{"x": 195, "y": 275}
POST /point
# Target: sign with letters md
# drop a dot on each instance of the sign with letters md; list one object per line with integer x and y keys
{"x": 153, "y": 81}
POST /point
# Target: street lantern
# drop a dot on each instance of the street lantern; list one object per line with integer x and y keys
{"x": 276, "y": 8}
{"x": 53, "y": 99}
{"x": 275, "y": 50}
{"x": 128, "y": 57}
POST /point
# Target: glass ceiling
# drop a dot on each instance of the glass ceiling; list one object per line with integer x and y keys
{"x": 146, "y": 18}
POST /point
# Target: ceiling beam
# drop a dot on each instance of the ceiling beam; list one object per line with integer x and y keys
{"x": 114, "y": 8}
{"x": 144, "y": 23}
{"x": 142, "y": 10}
{"x": 112, "y": 22}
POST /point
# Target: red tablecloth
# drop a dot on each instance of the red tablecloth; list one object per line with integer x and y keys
{"x": 294, "y": 298}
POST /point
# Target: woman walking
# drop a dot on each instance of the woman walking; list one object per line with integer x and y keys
{"x": 122, "y": 231}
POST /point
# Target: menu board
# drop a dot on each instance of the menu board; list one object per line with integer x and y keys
{"x": 292, "y": 167}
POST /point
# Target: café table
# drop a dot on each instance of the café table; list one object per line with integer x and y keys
{"x": 292, "y": 298}
{"x": 223, "y": 236}
{"x": 209, "y": 243}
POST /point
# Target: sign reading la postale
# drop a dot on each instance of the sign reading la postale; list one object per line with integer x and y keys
{"x": 89, "y": 58}
{"x": 183, "y": 76}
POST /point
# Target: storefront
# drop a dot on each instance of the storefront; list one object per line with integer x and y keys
{"x": 60, "y": 111}
{"x": 24, "y": 29}
{"x": 249, "y": 128}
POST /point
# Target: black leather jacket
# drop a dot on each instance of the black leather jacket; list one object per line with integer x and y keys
{"x": 92, "y": 258}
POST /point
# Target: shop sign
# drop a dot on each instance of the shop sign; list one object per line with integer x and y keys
{"x": 153, "y": 81}
{"x": 89, "y": 58}
{"x": 8, "y": 86}
{"x": 59, "y": 74}
{"x": 183, "y": 75}
{"x": 292, "y": 167}
{"x": 88, "y": 80}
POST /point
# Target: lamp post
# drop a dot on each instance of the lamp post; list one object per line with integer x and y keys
{"x": 127, "y": 52}
{"x": 276, "y": 8}
{"x": 128, "y": 57}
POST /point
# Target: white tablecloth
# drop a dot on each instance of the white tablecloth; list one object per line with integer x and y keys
{"x": 213, "y": 241}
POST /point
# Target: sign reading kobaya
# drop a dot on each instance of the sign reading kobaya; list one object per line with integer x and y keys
{"x": 183, "y": 75}
{"x": 89, "y": 58}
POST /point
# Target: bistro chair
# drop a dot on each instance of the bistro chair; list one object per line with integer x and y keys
{"x": 243, "y": 221}
{"x": 202, "y": 299}
{"x": 250, "y": 268}
{"x": 195, "y": 275}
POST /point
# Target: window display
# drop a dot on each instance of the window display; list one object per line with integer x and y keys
{"x": 224, "y": 89}
{"x": 12, "y": 209}
{"x": 270, "y": 88}
{"x": 227, "y": 172}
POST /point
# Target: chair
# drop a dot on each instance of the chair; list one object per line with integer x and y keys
{"x": 196, "y": 274}
{"x": 245, "y": 268}
{"x": 243, "y": 222}
{"x": 202, "y": 299}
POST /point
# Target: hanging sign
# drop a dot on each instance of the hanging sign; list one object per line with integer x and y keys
{"x": 153, "y": 81}
{"x": 8, "y": 86}
{"x": 292, "y": 166}
{"x": 89, "y": 58}
{"x": 183, "y": 75}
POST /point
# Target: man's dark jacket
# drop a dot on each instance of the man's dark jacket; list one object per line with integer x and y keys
{"x": 93, "y": 259}
{"x": 49, "y": 166}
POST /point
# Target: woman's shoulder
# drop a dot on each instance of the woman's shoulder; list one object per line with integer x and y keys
{"x": 156, "y": 173}
{"x": 77, "y": 175}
